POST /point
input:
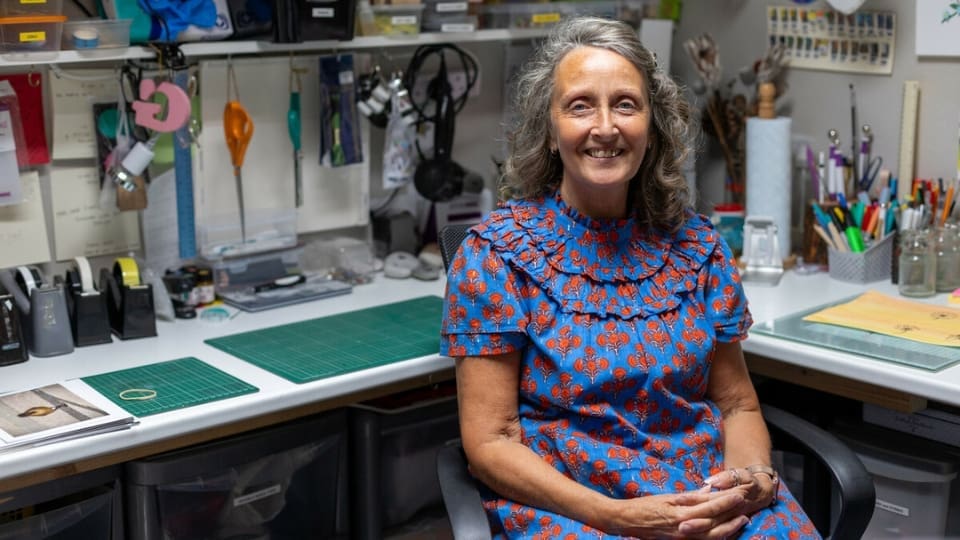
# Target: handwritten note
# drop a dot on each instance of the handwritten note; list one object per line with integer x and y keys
{"x": 74, "y": 135}
{"x": 23, "y": 227}
{"x": 80, "y": 225}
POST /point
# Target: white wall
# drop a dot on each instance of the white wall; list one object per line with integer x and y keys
{"x": 819, "y": 100}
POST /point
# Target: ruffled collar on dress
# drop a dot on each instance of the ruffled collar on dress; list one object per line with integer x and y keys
{"x": 602, "y": 266}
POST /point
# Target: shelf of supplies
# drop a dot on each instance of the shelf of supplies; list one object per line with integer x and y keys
{"x": 224, "y": 48}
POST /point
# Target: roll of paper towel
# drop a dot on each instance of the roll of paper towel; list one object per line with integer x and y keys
{"x": 769, "y": 174}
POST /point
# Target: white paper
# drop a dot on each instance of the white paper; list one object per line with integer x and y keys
{"x": 55, "y": 412}
{"x": 80, "y": 226}
{"x": 23, "y": 227}
{"x": 74, "y": 136}
{"x": 10, "y": 189}
{"x": 935, "y": 37}
{"x": 161, "y": 237}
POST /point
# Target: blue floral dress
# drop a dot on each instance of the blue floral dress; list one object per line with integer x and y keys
{"x": 617, "y": 326}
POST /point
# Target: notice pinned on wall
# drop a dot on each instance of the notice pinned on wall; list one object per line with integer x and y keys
{"x": 74, "y": 135}
{"x": 23, "y": 227}
{"x": 80, "y": 226}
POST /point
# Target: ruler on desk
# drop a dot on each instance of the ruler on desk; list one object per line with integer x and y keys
{"x": 908, "y": 138}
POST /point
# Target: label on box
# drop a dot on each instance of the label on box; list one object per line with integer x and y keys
{"x": 345, "y": 77}
{"x": 33, "y": 1}
{"x": 456, "y": 27}
{"x": 545, "y": 18}
{"x": 895, "y": 508}
{"x": 403, "y": 19}
{"x": 322, "y": 13}
{"x": 29, "y": 37}
{"x": 451, "y": 7}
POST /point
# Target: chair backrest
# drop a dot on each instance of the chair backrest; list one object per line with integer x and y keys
{"x": 450, "y": 238}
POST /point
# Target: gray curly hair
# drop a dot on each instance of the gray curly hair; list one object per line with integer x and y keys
{"x": 658, "y": 193}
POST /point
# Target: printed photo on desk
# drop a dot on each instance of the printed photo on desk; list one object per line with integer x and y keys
{"x": 57, "y": 412}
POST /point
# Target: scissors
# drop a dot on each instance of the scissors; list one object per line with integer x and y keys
{"x": 294, "y": 127}
{"x": 238, "y": 130}
{"x": 867, "y": 167}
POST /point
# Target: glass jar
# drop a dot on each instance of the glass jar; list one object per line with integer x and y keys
{"x": 917, "y": 263}
{"x": 947, "y": 249}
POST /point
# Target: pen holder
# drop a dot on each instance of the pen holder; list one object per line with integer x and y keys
{"x": 873, "y": 264}
{"x": 130, "y": 307}
{"x": 813, "y": 248}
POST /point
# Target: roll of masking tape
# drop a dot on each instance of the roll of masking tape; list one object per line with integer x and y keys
{"x": 86, "y": 274}
{"x": 126, "y": 271}
{"x": 86, "y": 38}
{"x": 28, "y": 279}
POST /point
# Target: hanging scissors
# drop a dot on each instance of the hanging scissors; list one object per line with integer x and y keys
{"x": 294, "y": 127}
{"x": 867, "y": 167}
{"x": 238, "y": 130}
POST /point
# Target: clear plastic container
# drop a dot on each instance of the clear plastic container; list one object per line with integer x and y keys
{"x": 917, "y": 265}
{"x": 95, "y": 34}
{"x": 397, "y": 20}
{"x": 30, "y": 8}
{"x": 947, "y": 249}
{"x": 30, "y": 34}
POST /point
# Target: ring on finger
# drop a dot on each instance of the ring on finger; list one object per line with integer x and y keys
{"x": 736, "y": 477}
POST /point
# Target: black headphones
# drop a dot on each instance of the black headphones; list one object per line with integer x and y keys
{"x": 440, "y": 178}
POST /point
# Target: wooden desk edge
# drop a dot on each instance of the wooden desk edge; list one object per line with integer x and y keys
{"x": 835, "y": 384}
{"x": 195, "y": 437}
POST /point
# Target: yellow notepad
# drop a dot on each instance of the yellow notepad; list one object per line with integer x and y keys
{"x": 908, "y": 319}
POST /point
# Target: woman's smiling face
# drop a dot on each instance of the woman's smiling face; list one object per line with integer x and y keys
{"x": 600, "y": 116}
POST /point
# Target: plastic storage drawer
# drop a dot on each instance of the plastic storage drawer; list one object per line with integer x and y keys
{"x": 394, "y": 444}
{"x": 78, "y": 507}
{"x": 285, "y": 481}
{"x": 31, "y": 34}
{"x": 30, "y": 8}
{"x": 95, "y": 34}
{"x": 912, "y": 479}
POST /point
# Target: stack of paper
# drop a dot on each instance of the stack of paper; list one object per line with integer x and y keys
{"x": 57, "y": 412}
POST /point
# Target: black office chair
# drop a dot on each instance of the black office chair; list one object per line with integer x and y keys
{"x": 828, "y": 464}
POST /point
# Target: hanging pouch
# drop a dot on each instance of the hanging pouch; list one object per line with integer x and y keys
{"x": 399, "y": 149}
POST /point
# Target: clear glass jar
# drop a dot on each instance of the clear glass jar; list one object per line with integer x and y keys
{"x": 917, "y": 264}
{"x": 947, "y": 249}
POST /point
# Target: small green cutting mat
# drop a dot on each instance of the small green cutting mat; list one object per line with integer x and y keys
{"x": 317, "y": 348}
{"x": 180, "y": 383}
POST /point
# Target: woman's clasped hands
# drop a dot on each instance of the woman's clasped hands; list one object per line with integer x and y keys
{"x": 716, "y": 511}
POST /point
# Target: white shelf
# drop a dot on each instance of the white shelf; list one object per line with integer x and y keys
{"x": 224, "y": 48}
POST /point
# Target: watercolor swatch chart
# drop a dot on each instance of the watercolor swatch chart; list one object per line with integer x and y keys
{"x": 823, "y": 39}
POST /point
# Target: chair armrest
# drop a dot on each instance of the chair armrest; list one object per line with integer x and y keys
{"x": 857, "y": 492}
{"x": 461, "y": 497}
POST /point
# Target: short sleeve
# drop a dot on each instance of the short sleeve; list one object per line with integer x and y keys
{"x": 726, "y": 303}
{"x": 482, "y": 313}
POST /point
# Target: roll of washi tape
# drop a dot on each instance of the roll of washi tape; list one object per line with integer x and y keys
{"x": 86, "y": 274}
{"x": 86, "y": 38}
{"x": 28, "y": 279}
{"x": 126, "y": 271}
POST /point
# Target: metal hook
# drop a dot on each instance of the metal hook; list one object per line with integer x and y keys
{"x": 34, "y": 83}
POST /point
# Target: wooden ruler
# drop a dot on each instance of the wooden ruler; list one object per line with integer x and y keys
{"x": 908, "y": 138}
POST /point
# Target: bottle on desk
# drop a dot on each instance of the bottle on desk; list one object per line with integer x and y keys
{"x": 917, "y": 264}
{"x": 947, "y": 250}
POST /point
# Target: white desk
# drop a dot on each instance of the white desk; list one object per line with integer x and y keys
{"x": 181, "y": 338}
{"x": 278, "y": 397}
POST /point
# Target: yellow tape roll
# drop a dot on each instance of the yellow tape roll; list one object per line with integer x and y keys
{"x": 126, "y": 271}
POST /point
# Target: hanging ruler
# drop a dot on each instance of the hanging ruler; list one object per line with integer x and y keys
{"x": 183, "y": 168}
{"x": 908, "y": 138}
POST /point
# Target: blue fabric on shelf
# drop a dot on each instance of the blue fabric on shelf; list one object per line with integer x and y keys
{"x": 176, "y": 15}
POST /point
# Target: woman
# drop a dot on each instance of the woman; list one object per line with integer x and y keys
{"x": 595, "y": 320}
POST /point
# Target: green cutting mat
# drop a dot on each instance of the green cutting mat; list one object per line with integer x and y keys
{"x": 309, "y": 350}
{"x": 179, "y": 384}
